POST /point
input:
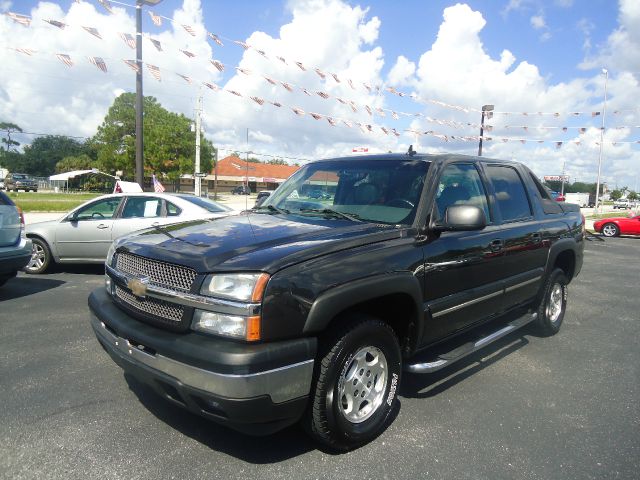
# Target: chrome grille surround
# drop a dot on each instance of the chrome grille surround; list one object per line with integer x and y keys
{"x": 165, "y": 312}
{"x": 163, "y": 274}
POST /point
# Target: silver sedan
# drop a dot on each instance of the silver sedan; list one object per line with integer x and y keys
{"x": 85, "y": 234}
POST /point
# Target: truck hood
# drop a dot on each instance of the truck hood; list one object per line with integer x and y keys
{"x": 253, "y": 242}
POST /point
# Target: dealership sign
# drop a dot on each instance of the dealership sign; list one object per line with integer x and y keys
{"x": 556, "y": 178}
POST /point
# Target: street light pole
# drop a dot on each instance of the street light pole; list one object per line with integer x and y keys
{"x": 487, "y": 111}
{"x": 139, "y": 97}
{"x": 604, "y": 112}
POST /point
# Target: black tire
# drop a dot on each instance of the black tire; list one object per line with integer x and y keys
{"x": 553, "y": 303}
{"x": 329, "y": 418}
{"x": 610, "y": 230}
{"x": 40, "y": 258}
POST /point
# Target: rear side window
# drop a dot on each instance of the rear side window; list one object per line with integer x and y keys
{"x": 511, "y": 195}
{"x": 172, "y": 210}
{"x": 549, "y": 205}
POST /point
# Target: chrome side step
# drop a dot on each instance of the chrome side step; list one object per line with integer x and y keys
{"x": 446, "y": 359}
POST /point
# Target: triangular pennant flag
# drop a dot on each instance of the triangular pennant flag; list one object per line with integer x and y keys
{"x": 299, "y": 64}
{"x": 395, "y": 132}
{"x": 350, "y": 82}
{"x": 331, "y": 121}
{"x": 243, "y": 70}
{"x": 21, "y": 19}
{"x": 242, "y": 44}
{"x": 305, "y": 91}
{"x": 258, "y": 100}
{"x": 188, "y": 53}
{"x": 133, "y": 65}
{"x": 233, "y": 92}
{"x": 320, "y": 73}
{"x": 93, "y": 31}
{"x": 212, "y": 86}
{"x": 353, "y": 106}
{"x": 155, "y": 71}
{"x": 558, "y": 144}
{"x": 66, "y": 59}
{"x": 129, "y": 40}
{"x": 368, "y": 109}
{"x": 381, "y": 112}
{"x": 189, "y": 30}
{"x": 297, "y": 111}
{"x": 156, "y": 43}
{"x": 261, "y": 52}
{"x": 156, "y": 19}
{"x": 595, "y": 114}
{"x": 270, "y": 80}
{"x": 335, "y": 77}
{"x": 386, "y": 132}
{"x": 215, "y": 38}
{"x": 217, "y": 64}
{"x": 367, "y": 86}
{"x": 98, "y": 62}
{"x": 317, "y": 116}
{"x": 282, "y": 59}
{"x": 322, "y": 95}
{"x": 347, "y": 123}
{"x": 57, "y": 23}
{"x": 26, "y": 51}
{"x": 106, "y": 5}
{"x": 186, "y": 79}
{"x": 287, "y": 86}
{"x": 395, "y": 116}
{"x": 341, "y": 100}
{"x": 276, "y": 104}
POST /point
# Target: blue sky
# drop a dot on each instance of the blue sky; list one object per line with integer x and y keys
{"x": 521, "y": 55}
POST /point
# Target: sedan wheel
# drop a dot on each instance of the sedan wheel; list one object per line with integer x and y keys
{"x": 610, "y": 230}
{"x": 40, "y": 257}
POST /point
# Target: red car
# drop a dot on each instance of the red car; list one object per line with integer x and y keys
{"x": 612, "y": 227}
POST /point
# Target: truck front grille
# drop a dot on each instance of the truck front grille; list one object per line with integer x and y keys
{"x": 163, "y": 312}
{"x": 161, "y": 274}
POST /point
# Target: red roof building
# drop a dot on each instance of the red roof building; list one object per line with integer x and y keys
{"x": 232, "y": 171}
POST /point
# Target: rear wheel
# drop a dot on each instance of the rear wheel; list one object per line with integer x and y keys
{"x": 355, "y": 384}
{"x": 40, "y": 257}
{"x": 553, "y": 304}
{"x": 610, "y": 230}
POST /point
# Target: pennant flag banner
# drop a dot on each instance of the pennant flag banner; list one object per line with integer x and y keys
{"x": 156, "y": 19}
{"x": 212, "y": 86}
{"x": 98, "y": 62}
{"x": 129, "y": 40}
{"x": 66, "y": 59}
{"x": 156, "y": 44}
{"x": 26, "y": 51}
{"x": 298, "y": 111}
{"x": 93, "y": 31}
{"x": 258, "y": 100}
{"x": 242, "y": 44}
{"x": 106, "y": 5}
{"x": 188, "y": 54}
{"x": 57, "y": 23}
{"x": 155, "y": 71}
{"x": 217, "y": 64}
{"x": 320, "y": 73}
{"x": 133, "y": 65}
{"x": 21, "y": 19}
{"x": 299, "y": 64}
{"x": 189, "y": 30}
{"x": 215, "y": 39}
{"x": 186, "y": 79}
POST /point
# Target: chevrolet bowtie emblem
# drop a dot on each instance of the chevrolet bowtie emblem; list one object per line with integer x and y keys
{"x": 138, "y": 286}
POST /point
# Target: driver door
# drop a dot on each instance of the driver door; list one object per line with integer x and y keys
{"x": 86, "y": 233}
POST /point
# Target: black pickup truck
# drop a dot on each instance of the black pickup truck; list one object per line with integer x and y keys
{"x": 311, "y": 308}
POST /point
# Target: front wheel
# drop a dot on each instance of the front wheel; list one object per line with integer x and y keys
{"x": 610, "y": 230}
{"x": 553, "y": 304}
{"x": 40, "y": 257}
{"x": 355, "y": 384}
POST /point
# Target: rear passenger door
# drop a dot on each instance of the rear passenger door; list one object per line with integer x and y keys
{"x": 525, "y": 249}
{"x": 138, "y": 213}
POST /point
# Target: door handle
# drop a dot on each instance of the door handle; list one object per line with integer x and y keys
{"x": 155, "y": 224}
{"x": 496, "y": 245}
{"x": 536, "y": 237}
{"x": 102, "y": 226}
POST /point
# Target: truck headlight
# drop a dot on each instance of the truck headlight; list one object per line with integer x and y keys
{"x": 235, "y": 326}
{"x": 243, "y": 287}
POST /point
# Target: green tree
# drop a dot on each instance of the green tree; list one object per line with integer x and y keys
{"x": 277, "y": 161}
{"x": 41, "y": 157}
{"x": 8, "y": 128}
{"x": 80, "y": 162}
{"x": 633, "y": 195}
{"x": 615, "y": 195}
{"x": 169, "y": 143}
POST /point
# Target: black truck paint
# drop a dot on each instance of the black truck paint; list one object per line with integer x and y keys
{"x": 426, "y": 283}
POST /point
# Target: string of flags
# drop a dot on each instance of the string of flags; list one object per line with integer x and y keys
{"x": 332, "y": 120}
{"x": 129, "y": 39}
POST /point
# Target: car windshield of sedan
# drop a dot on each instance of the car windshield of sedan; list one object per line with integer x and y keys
{"x": 380, "y": 191}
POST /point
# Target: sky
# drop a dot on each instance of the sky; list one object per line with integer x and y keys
{"x": 375, "y": 74}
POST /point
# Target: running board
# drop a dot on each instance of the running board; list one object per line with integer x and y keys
{"x": 468, "y": 348}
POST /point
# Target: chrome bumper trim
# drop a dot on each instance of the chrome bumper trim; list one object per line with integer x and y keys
{"x": 190, "y": 299}
{"x": 281, "y": 384}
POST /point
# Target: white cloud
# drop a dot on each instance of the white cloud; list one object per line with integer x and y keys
{"x": 401, "y": 71}
{"x": 537, "y": 22}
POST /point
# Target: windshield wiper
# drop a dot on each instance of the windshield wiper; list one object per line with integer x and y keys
{"x": 327, "y": 211}
{"x": 271, "y": 208}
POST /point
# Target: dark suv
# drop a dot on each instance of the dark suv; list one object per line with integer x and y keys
{"x": 241, "y": 190}
{"x": 15, "y": 247}
{"x": 20, "y": 181}
{"x": 311, "y": 310}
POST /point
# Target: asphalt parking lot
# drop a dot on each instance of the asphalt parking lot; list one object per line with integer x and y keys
{"x": 564, "y": 407}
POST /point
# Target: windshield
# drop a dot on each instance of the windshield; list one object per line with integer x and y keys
{"x": 381, "y": 191}
{"x": 208, "y": 205}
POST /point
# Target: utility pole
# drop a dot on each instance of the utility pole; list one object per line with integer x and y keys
{"x": 487, "y": 111}
{"x": 564, "y": 163}
{"x": 197, "y": 179}
{"x": 139, "y": 99}
{"x": 215, "y": 177}
{"x": 604, "y": 113}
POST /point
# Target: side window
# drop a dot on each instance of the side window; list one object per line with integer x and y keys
{"x": 98, "y": 210}
{"x": 142, "y": 207}
{"x": 549, "y": 205}
{"x": 460, "y": 184}
{"x": 511, "y": 195}
{"x": 173, "y": 210}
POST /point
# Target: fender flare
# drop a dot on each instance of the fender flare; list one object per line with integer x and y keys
{"x": 339, "y": 298}
{"x": 557, "y": 248}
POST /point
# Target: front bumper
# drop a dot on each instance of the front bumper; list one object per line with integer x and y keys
{"x": 256, "y": 389}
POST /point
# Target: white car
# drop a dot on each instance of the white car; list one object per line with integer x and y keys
{"x": 85, "y": 234}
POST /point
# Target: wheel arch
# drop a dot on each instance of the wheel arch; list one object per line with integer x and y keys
{"x": 395, "y": 299}
{"x": 39, "y": 236}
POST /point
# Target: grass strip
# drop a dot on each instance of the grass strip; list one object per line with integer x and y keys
{"x": 49, "y": 202}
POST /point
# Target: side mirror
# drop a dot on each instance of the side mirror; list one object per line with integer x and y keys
{"x": 462, "y": 218}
